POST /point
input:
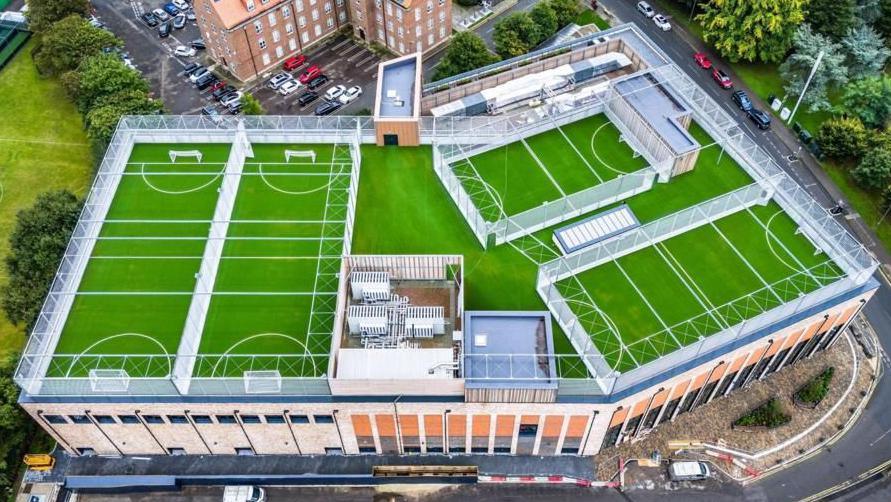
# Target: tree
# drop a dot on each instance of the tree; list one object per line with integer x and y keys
{"x": 886, "y": 199}
{"x": 832, "y": 72}
{"x": 515, "y": 35}
{"x": 466, "y": 51}
{"x": 43, "y": 13}
{"x": 68, "y": 42}
{"x": 546, "y": 19}
{"x": 104, "y": 75}
{"x": 832, "y": 18}
{"x": 870, "y": 100}
{"x": 874, "y": 171}
{"x": 882, "y": 23}
{"x": 36, "y": 246}
{"x": 250, "y": 105}
{"x": 16, "y": 427}
{"x": 869, "y": 10}
{"x": 842, "y": 138}
{"x": 103, "y": 118}
{"x": 866, "y": 52}
{"x": 751, "y": 30}
{"x": 566, "y": 11}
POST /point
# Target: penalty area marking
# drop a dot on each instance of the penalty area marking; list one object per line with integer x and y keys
{"x": 179, "y": 192}
{"x": 597, "y": 156}
{"x": 332, "y": 177}
{"x": 769, "y": 236}
{"x": 315, "y": 368}
{"x": 112, "y": 337}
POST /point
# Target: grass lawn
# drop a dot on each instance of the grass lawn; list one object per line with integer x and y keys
{"x": 588, "y": 16}
{"x": 42, "y": 147}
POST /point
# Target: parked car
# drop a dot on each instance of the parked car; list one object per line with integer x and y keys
{"x": 334, "y": 92}
{"x": 294, "y": 62}
{"x": 161, "y": 15}
{"x": 213, "y": 114}
{"x": 219, "y": 85}
{"x": 317, "y": 82}
{"x": 234, "y": 108}
{"x": 190, "y": 15}
{"x": 722, "y": 78}
{"x": 128, "y": 62}
{"x": 206, "y": 81}
{"x": 327, "y": 107}
{"x": 179, "y": 22}
{"x": 289, "y": 87}
{"x": 96, "y": 23}
{"x": 231, "y": 98}
{"x": 198, "y": 44}
{"x": 150, "y": 19}
{"x": 307, "y": 98}
{"x": 688, "y": 471}
{"x": 190, "y": 68}
{"x": 183, "y": 51}
{"x": 742, "y": 100}
{"x": 245, "y": 493}
{"x": 195, "y": 75}
{"x": 223, "y": 91}
{"x": 661, "y": 22}
{"x": 171, "y": 9}
{"x": 702, "y": 60}
{"x": 310, "y": 74}
{"x": 645, "y": 9}
{"x": 350, "y": 95}
{"x": 180, "y": 4}
{"x": 164, "y": 30}
{"x": 761, "y": 119}
{"x": 278, "y": 79}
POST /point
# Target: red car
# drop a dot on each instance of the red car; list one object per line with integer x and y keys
{"x": 295, "y": 62}
{"x": 218, "y": 85}
{"x": 702, "y": 60}
{"x": 722, "y": 79}
{"x": 310, "y": 73}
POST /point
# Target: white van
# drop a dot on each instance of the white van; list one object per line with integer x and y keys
{"x": 645, "y": 9}
{"x": 244, "y": 494}
{"x": 688, "y": 471}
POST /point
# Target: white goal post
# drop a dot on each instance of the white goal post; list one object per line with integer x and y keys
{"x": 109, "y": 380}
{"x": 195, "y": 154}
{"x": 262, "y": 382}
{"x": 311, "y": 154}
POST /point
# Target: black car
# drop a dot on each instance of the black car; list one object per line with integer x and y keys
{"x": 307, "y": 98}
{"x": 164, "y": 30}
{"x": 150, "y": 19}
{"x": 761, "y": 119}
{"x": 191, "y": 67}
{"x": 198, "y": 45}
{"x": 234, "y": 108}
{"x": 222, "y": 91}
{"x": 741, "y": 100}
{"x": 327, "y": 107}
{"x": 318, "y": 82}
{"x": 206, "y": 81}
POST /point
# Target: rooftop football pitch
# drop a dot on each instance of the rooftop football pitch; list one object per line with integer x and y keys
{"x": 274, "y": 290}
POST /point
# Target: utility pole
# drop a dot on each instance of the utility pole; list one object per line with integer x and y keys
{"x": 807, "y": 84}
{"x": 693, "y": 9}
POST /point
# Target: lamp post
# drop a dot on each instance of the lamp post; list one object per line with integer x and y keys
{"x": 807, "y": 84}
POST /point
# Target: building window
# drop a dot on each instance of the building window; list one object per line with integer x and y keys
{"x": 275, "y": 37}
{"x": 244, "y": 451}
{"x": 289, "y": 28}
{"x": 279, "y": 52}
{"x": 389, "y": 25}
{"x": 79, "y": 419}
{"x": 173, "y": 450}
{"x": 177, "y": 419}
{"x": 250, "y": 419}
{"x": 380, "y": 18}
{"x": 390, "y": 41}
{"x": 399, "y": 31}
{"x": 417, "y": 14}
{"x": 292, "y": 44}
{"x": 305, "y": 37}
{"x": 418, "y": 31}
{"x": 250, "y": 5}
{"x": 330, "y": 22}
{"x": 301, "y": 21}
{"x": 430, "y": 39}
{"x": 262, "y": 43}
{"x": 258, "y": 26}
{"x": 367, "y": 449}
{"x": 342, "y": 15}
{"x": 318, "y": 30}
{"x": 441, "y": 32}
{"x": 430, "y": 24}
{"x": 286, "y": 12}
{"x": 315, "y": 14}
{"x": 333, "y": 451}
{"x": 380, "y": 34}
{"x": 457, "y": 449}
{"x": 323, "y": 419}
{"x": 128, "y": 419}
{"x": 327, "y": 7}
{"x": 274, "y": 419}
{"x": 378, "y": 3}
{"x": 153, "y": 419}
{"x": 429, "y": 7}
{"x": 299, "y": 5}
{"x": 55, "y": 419}
{"x": 105, "y": 419}
{"x": 389, "y": 9}
{"x": 299, "y": 419}
{"x": 312, "y": 2}
{"x": 528, "y": 430}
{"x": 202, "y": 419}
{"x": 399, "y": 15}
{"x": 401, "y": 48}
{"x": 420, "y": 45}
{"x": 441, "y": 15}
{"x": 272, "y": 19}
{"x": 226, "y": 419}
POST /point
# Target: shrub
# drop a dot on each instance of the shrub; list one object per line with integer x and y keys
{"x": 874, "y": 171}
{"x": 814, "y": 391}
{"x": 769, "y": 414}
{"x": 842, "y": 138}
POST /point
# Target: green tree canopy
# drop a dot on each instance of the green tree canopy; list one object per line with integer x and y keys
{"x": 43, "y": 13}
{"x": 832, "y": 18}
{"x": 515, "y": 35}
{"x": 105, "y": 75}
{"x": 842, "y": 138}
{"x": 466, "y": 51}
{"x": 36, "y": 246}
{"x": 566, "y": 10}
{"x": 68, "y": 42}
{"x": 751, "y": 30}
{"x": 250, "y": 105}
{"x": 831, "y": 74}
{"x": 874, "y": 171}
{"x": 546, "y": 20}
{"x": 103, "y": 118}
{"x": 866, "y": 52}
{"x": 869, "y": 99}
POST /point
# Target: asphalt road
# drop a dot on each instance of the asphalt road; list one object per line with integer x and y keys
{"x": 868, "y": 443}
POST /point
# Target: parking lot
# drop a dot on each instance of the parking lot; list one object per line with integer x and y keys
{"x": 342, "y": 60}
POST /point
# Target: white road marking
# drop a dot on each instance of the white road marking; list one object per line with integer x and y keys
{"x": 880, "y": 437}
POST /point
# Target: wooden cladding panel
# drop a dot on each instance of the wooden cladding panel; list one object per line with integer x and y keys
{"x": 361, "y": 425}
{"x": 553, "y": 425}
{"x": 481, "y": 425}
{"x": 618, "y": 417}
{"x": 577, "y": 425}
{"x": 433, "y": 425}
{"x": 457, "y": 425}
{"x": 409, "y": 425}
{"x": 504, "y": 425}
{"x": 386, "y": 425}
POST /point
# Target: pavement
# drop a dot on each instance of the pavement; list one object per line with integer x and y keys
{"x": 868, "y": 443}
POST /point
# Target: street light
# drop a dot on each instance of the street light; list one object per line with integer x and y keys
{"x": 807, "y": 84}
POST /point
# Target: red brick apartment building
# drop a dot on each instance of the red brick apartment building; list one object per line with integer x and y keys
{"x": 251, "y": 37}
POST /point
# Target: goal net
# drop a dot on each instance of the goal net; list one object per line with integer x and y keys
{"x": 109, "y": 380}
{"x": 300, "y": 154}
{"x": 262, "y": 382}
{"x": 192, "y": 154}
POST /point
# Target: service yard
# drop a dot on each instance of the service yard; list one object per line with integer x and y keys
{"x": 342, "y": 60}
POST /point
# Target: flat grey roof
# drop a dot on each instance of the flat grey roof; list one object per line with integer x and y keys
{"x": 399, "y": 79}
{"x": 660, "y": 109}
{"x": 518, "y": 353}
